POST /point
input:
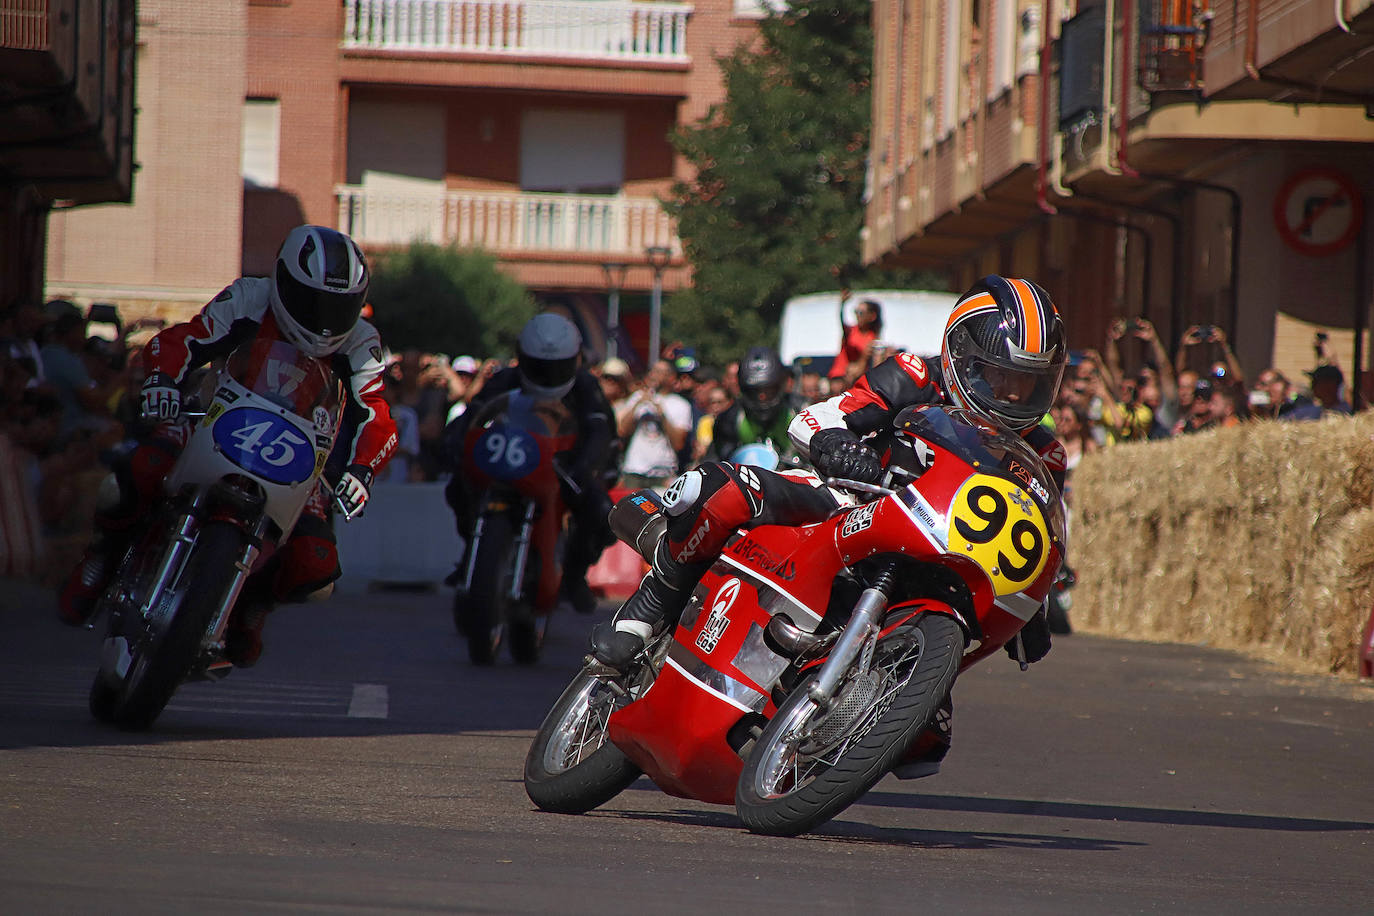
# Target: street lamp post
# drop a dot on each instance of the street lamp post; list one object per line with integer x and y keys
{"x": 615, "y": 279}
{"x": 658, "y": 256}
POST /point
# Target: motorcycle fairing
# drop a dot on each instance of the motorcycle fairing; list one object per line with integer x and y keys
{"x": 270, "y": 385}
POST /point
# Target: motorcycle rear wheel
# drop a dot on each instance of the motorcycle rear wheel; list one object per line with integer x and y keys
{"x": 571, "y": 767}
{"x": 804, "y": 769}
{"x": 164, "y": 654}
{"x": 481, "y": 614}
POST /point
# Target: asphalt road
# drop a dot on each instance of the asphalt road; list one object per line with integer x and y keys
{"x": 364, "y": 766}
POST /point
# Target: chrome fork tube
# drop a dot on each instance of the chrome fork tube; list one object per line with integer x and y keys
{"x": 477, "y": 530}
{"x": 522, "y": 552}
{"x": 863, "y": 624}
{"x": 243, "y": 568}
{"x": 175, "y": 557}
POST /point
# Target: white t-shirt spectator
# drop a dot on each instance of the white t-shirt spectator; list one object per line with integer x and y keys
{"x": 650, "y": 452}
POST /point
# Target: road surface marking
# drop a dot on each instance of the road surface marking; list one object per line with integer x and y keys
{"x": 369, "y": 702}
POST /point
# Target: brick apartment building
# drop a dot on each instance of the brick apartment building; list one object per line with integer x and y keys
{"x": 66, "y": 122}
{"x": 1196, "y": 163}
{"x": 536, "y": 129}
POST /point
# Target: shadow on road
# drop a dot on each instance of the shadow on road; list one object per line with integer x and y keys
{"x": 842, "y": 831}
{"x": 1090, "y": 812}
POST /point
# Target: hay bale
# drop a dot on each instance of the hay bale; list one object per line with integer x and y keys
{"x": 1258, "y": 538}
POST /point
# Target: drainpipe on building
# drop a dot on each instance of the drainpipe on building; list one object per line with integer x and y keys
{"x": 1102, "y": 156}
{"x": 1252, "y": 39}
{"x": 1042, "y": 141}
{"x": 1123, "y": 113}
{"x": 896, "y": 145}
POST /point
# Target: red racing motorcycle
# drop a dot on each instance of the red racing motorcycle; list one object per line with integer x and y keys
{"x": 810, "y": 660}
{"x": 510, "y": 582}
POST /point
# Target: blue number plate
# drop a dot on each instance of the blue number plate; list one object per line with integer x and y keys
{"x": 506, "y": 452}
{"x": 265, "y": 444}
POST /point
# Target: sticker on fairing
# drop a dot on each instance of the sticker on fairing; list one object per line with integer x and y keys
{"x": 506, "y": 452}
{"x": 999, "y": 526}
{"x": 265, "y": 444}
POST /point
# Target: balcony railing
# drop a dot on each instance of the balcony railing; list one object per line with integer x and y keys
{"x": 584, "y": 29}
{"x": 507, "y": 223}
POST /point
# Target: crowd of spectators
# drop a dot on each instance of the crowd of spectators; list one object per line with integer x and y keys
{"x": 65, "y": 409}
{"x": 68, "y": 391}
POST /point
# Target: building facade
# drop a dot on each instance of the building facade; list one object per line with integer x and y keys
{"x": 534, "y": 129}
{"x": 66, "y": 122}
{"x": 1194, "y": 163}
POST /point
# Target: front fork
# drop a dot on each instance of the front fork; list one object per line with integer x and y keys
{"x": 522, "y": 552}
{"x": 243, "y": 568}
{"x": 858, "y": 637}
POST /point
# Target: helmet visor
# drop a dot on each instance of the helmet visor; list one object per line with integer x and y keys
{"x": 1018, "y": 394}
{"x": 322, "y": 312}
{"x": 548, "y": 373}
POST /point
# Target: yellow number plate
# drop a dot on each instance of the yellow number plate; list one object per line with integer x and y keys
{"x": 999, "y": 526}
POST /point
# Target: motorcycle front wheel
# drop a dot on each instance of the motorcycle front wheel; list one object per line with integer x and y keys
{"x": 809, "y": 765}
{"x": 164, "y": 647}
{"x": 571, "y": 767}
{"x": 481, "y": 613}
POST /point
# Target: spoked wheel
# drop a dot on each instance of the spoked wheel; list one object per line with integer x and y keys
{"x": 163, "y": 648}
{"x": 571, "y": 767}
{"x": 809, "y": 765}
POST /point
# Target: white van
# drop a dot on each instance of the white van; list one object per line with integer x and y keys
{"x": 913, "y": 320}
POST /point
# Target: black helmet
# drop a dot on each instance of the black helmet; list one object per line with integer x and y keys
{"x": 762, "y": 384}
{"x": 319, "y": 289}
{"x": 1003, "y": 353}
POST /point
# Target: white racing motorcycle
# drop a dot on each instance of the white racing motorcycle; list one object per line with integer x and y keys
{"x": 234, "y": 494}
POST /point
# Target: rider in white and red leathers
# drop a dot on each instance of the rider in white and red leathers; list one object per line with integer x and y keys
{"x": 313, "y": 302}
{"x": 1002, "y": 358}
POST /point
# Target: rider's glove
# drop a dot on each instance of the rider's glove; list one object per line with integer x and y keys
{"x": 352, "y": 488}
{"x": 839, "y": 453}
{"x": 160, "y": 398}
{"x": 1035, "y": 637}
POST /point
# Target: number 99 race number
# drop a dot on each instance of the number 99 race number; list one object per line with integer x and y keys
{"x": 997, "y": 524}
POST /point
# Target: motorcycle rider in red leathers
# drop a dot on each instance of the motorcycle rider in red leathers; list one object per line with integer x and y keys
{"x": 313, "y": 302}
{"x": 1002, "y": 358}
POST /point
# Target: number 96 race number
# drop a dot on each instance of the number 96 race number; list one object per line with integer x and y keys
{"x": 999, "y": 526}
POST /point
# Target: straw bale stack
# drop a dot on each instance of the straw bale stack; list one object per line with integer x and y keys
{"x": 1258, "y": 538}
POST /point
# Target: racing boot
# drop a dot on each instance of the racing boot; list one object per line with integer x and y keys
{"x": 243, "y": 635}
{"x": 657, "y": 603}
{"x": 577, "y": 591}
{"x": 86, "y": 583}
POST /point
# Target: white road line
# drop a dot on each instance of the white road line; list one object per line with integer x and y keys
{"x": 369, "y": 702}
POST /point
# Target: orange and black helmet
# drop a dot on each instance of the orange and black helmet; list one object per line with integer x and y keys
{"x": 1003, "y": 353}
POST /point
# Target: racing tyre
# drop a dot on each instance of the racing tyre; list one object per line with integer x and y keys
{"x": 807, "y": 766}
{"x": 571, "y": 768}
{"x": 166, "y": 648}
{"x": 481, "y": 613}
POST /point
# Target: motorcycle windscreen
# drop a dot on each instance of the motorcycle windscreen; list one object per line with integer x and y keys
{"x": 285, "y": 376}
{"x": 268, "y": 443}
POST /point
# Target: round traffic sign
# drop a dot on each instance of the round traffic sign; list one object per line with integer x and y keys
{"x": 1318, "y": 211}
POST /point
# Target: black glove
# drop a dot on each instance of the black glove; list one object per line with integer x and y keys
{"x": 839, "y": 453}
{"x": 1035, "y": 637}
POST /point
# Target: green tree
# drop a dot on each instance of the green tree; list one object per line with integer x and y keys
{"x": 776, "y": 207}
{"x": 447, "y": 300}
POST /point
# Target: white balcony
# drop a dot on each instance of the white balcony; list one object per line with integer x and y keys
{"x": 610, "y": 30}
{"x": 507, "y": 223}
